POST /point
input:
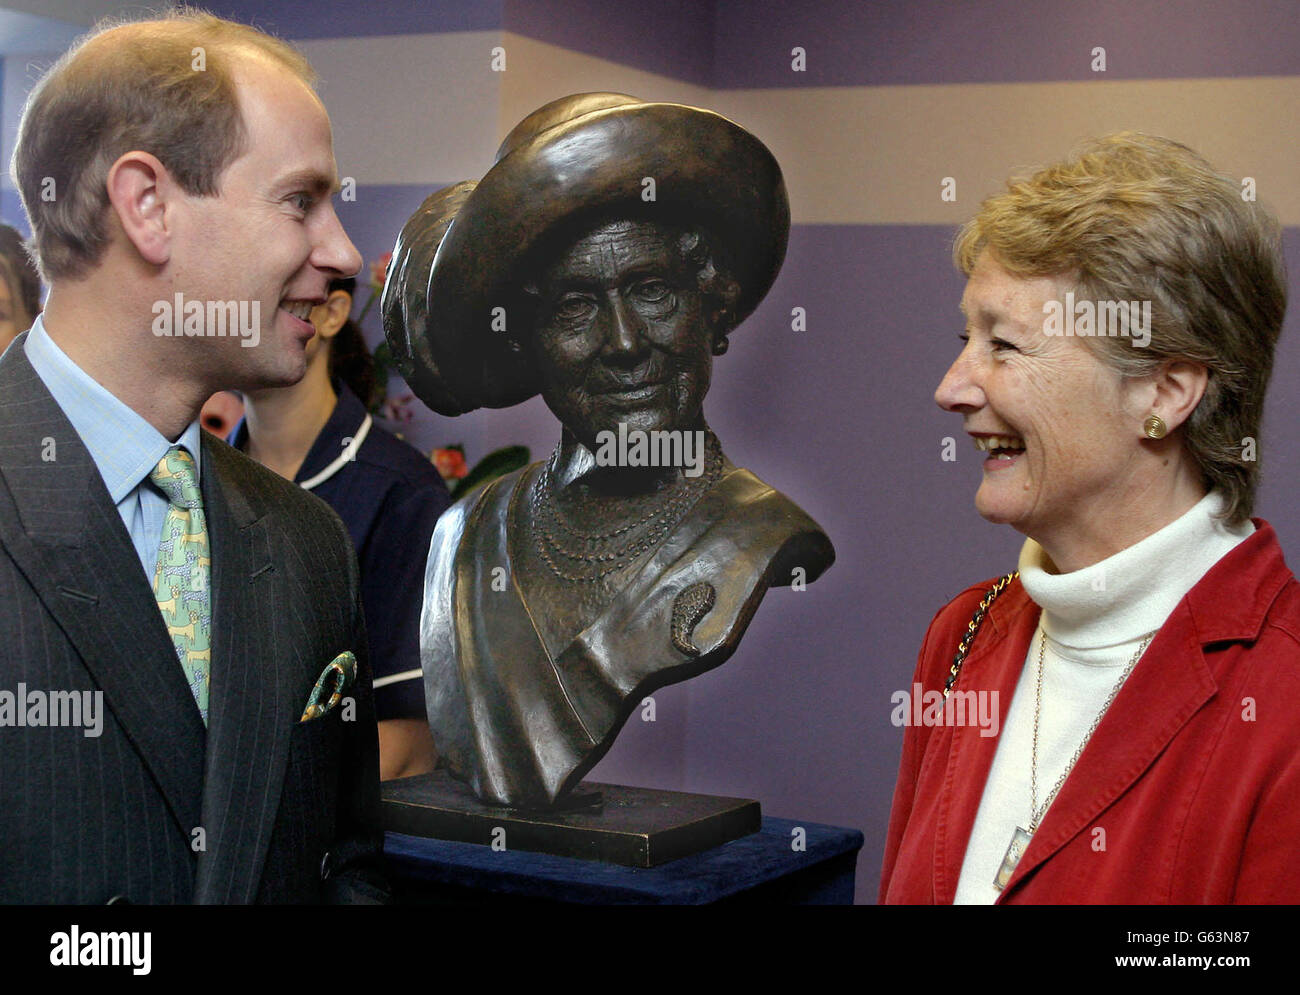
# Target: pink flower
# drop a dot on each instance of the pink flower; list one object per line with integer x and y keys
{"x": 397, "y": 409}
{"x": 379, "y": 271}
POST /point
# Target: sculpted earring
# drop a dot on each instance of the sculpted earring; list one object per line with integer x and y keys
{"x": 720, "y": 346}
{"x": 1155, "y": 427}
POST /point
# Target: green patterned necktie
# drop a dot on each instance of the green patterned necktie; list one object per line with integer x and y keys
{"x": 180, "y": 580}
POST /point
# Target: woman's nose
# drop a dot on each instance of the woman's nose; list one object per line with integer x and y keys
{"x": 959, "y": 390}
{"x": 625, "y": 332}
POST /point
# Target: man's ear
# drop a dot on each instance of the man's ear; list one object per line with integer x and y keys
{"x": 139, "y": 188}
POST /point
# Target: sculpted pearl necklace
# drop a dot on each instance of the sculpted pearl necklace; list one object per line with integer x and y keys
{"x": 576, "y": 556}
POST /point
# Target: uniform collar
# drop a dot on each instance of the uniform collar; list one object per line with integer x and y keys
{"x": 344, "y": 420}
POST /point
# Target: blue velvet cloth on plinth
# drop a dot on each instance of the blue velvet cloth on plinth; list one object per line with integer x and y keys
{"x": 765, "y": 867}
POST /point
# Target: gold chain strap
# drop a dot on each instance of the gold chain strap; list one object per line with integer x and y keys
{"x": 973, "y": 627}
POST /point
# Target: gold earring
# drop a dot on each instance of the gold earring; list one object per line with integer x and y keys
{"x": 1155, "y": 427}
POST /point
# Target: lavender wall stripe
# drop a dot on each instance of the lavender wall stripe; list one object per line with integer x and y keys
{"x": 1000, "y": 41}
{"x": 299, "y": 19}
{"x": 747, "y": 43}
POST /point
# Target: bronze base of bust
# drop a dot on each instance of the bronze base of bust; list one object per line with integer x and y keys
{"x": 635, "y": 827}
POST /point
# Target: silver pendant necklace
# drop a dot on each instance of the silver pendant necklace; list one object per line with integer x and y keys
{"x": 1021, "y": 837}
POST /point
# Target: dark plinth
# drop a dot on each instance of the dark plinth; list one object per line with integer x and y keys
{"x": 788, "y": 862}
{"x": 635, "y": 827}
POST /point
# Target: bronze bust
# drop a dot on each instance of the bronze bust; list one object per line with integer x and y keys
{"x": 601, "y": 262}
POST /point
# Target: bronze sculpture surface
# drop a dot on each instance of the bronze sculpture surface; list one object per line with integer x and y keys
{"x": 601, "y": 262}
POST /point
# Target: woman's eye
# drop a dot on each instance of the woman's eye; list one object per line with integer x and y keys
{"x": 571, "y": 307}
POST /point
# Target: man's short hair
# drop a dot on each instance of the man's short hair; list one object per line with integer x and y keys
{"x": 163, "y": 86}
{"x": 1134, "y": 217}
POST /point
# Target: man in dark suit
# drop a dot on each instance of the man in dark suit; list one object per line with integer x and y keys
{"x": 167, "y": 605}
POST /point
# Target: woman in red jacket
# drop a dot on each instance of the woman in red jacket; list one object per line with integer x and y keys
{"x": 1142, "y": 667}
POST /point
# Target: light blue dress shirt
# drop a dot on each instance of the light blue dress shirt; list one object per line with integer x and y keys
{"x": 123, "y": 445}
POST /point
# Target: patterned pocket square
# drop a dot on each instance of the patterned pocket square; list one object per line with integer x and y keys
{"x": 333, "y": 683}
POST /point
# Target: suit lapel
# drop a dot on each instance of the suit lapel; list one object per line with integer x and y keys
{"x": 252, "y": 706}
{"x": 63, "y": 531}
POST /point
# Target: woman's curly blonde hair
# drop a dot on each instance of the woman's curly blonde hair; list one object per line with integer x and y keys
{"x": 1134, "y": 217}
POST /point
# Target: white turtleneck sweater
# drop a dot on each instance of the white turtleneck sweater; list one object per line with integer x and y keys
{"x": 1095, "y": 619}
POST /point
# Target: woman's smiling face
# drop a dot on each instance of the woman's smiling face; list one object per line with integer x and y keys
{"x": 1060, "y": 429}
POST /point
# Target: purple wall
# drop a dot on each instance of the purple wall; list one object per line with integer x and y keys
{"x": 11, "y": 211}
{"x": 348, "y": 19}
{"x": 746, "y": 43}
{"x": 1000, "y": 41}
{"x": 669, "y": 37}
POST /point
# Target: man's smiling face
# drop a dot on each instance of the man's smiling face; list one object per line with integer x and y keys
{"x": 270, "y": 234}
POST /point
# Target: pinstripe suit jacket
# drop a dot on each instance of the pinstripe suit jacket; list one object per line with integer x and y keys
{"x": 257, "y": 807}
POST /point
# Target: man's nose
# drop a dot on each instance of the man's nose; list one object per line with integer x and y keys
{"x": 334, "y": 250}
{"x": 959, "y": 390}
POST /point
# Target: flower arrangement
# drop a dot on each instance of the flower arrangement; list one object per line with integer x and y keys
{"x": 460, "y": 478}
{"x": 451, "y": 463}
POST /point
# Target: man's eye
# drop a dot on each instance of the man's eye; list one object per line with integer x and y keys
{"x": 302, "y": 201}
{"x": 1002, "y": 345}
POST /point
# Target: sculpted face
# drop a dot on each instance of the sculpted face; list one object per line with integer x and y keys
{"x": 621, "y": 335}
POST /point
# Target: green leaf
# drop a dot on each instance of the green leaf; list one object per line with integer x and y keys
{"x": 493, "y": 465}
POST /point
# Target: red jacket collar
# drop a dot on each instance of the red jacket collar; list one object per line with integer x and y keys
{"x": 1255, "y": 573}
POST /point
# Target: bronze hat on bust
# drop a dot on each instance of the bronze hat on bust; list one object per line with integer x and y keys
{"x": 448, "y": 291}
